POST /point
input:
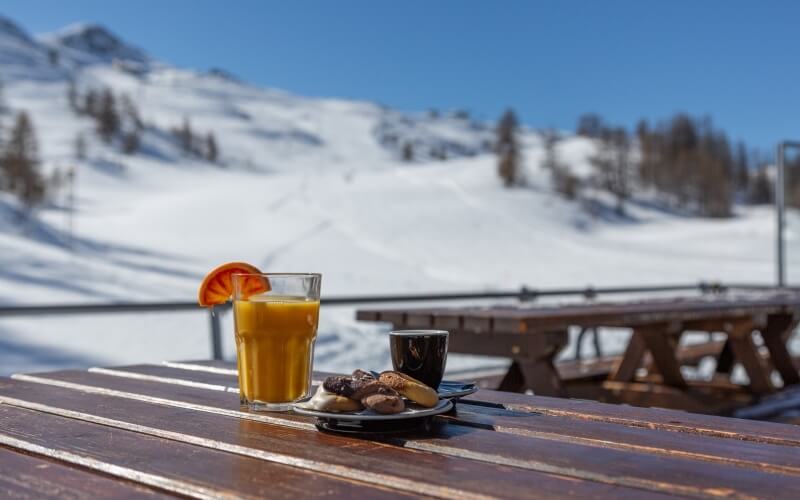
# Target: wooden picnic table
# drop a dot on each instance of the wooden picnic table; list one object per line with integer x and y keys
{"x": 532, "y": 336}
{"x": 176, "y": 429}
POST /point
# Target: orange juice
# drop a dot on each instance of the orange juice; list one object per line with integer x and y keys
{"x": 275, "y": 346}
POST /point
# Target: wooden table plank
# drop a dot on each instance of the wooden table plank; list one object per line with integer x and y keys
{"x": 677, "y": 475}
{"x": 24, "y": 476}
{"x": 427, "y": 473}
{"x": 745, "y": 453}
{"x": 671, "y": 420}
{"x": 624, "y": 314}
{"x": 649, "y": 418}
{"x": 165, "y": 463}
{"x": 758, "y": 456}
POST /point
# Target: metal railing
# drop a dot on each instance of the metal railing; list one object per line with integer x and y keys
{"x": 524, "y": 294}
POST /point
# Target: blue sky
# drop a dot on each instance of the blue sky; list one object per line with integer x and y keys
{"x": 550, "y": 60}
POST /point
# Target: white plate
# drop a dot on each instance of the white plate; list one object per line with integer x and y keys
{"x": 412, "y": 411}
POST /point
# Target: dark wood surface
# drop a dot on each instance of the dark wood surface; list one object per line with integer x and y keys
{"x": 176, "y": 430}
{"x": 516, "y": 319}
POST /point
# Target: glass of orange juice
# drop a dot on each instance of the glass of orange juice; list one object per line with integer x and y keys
{"x": 275, "y": 333}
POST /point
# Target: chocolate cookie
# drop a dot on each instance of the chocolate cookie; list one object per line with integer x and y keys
{"x": 339, "y": 385}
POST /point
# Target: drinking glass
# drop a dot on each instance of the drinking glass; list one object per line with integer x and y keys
{"x": 275, "y": 335}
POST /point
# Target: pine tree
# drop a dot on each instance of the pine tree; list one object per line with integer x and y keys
{"x": 408, "y": 152}
{"x": 72, "y": 96}
{"x": 590, "y": 125}
{"x": 91, "y": 103}
{"x": 212, "y": 152}
{"x": 185, "y": 137}
{"x": 613, "y": 165}
{"x": 130, "y": 114}
{"x": 53, "y": 56}
{"x": 742, "y": 168}
{"x": 131, "y": 142}
{"x": 563, "y": 181}
{"x": 508, "y": 155}
{"x": 3, "y": 108}
{"x": 19, "y": 163}
{"x": 80, "y": 147}
{"x": 108, "y": 121}
{"x": 761, "y": 192}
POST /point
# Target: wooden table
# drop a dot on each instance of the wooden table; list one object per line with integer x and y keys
{"x": 533, "y": 336}
{"x": 155, "y": 431}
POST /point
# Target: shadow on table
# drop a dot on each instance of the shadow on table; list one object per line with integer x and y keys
{"x": 16, "y": 357}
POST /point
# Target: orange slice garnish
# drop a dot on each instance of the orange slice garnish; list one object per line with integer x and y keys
{"x": 217, "y": 286}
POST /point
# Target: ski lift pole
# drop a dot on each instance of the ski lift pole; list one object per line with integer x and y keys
{"x": 780, "y": 206}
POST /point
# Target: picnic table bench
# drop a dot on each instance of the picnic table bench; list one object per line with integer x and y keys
{"x": 532, "y": 336}
{"x": 176, "y": 429}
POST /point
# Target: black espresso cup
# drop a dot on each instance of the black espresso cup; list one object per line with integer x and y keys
{"x": 421, "y": 354}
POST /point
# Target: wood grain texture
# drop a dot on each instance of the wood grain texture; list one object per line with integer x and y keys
{"x": 649, "y": 418}
{"x": 625, "y": 314}
{"x": 392, "y": 465}
{"x": 758, "y": 456}
{"x": 24, "y": 476}
{"x": 167, "y": 464}
{"x": 579, "y": 460}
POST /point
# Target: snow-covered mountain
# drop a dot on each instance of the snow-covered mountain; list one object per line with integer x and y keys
{"x": 301, "y": 184}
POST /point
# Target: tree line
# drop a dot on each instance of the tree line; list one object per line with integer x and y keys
{"x": 117, "y": 121}
{"x": 685, "y": 162}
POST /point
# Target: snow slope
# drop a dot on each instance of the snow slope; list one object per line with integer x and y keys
{"x": 304, "y": 185}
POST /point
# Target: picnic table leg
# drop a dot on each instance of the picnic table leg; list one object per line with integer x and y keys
{"x": 514, "y": 380}
{"x": 536, "y": 371}
{"x": 662, "y": 344}
{"x": 625, "y": 370}
{"x": 775, "y": 338}
{"x": 725, "y": 358}
{"x": 740, "y": 336}
{"x": 539, "y": 375}
{"x": 542, "y": 377}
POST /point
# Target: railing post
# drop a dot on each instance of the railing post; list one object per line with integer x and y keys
{"x": 216, "y": 334}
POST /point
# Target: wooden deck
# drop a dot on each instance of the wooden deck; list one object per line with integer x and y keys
{"x": 177, "y": 430}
